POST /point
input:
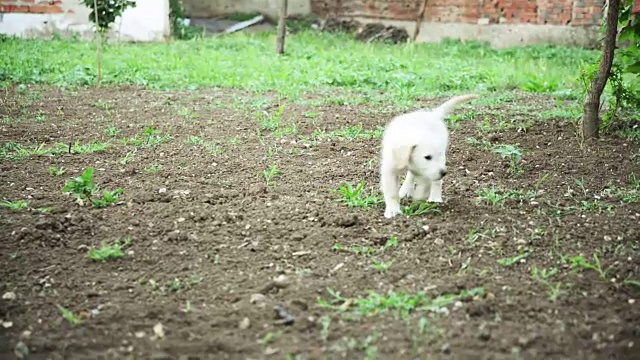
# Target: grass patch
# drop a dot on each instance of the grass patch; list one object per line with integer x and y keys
{"x": 14, "y": 205}
{"x": 400, "y": 303}
{"x": 314, "y": 61}
{"x": 108, "y": 252}
{"x": 358, "y": 196}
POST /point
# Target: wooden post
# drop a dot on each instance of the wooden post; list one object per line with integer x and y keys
{"x": 419, "y": 19}
{"x": 282, "y": 28}
{"x": 99, "y": 40}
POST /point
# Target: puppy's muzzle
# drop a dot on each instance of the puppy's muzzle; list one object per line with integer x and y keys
{"x": 443, "y": 173}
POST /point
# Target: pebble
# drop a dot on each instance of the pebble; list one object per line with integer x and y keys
{"x": 438, "y": 242}
{"x": 258, "y": 299}
{"x": 9, "y": 296}
{"x": 244, "y": 323}
{"x": 281, "y": 282}
{"x": 446, "y": 348}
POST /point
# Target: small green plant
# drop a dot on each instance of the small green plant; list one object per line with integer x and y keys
{"x": 270, "y": 121}
{"x": 579, "y": 263}
{"x": 357, "y": 197}
{"x": 81, "y": 187}
{"x": 515, "y": 259}
{"x": 381, "y": 266}
{"x": 544, "y": 277}
{"x": 57, "y": 172}
{"x": 129, "y": 156}
{"x": 475, "y": 234}
{"x": 40, "y": 118}
{"x": 108, "y": 198}
{"x": 195, "y": 140}
{"x": 14, "y": 205}
{"x": 111, "y": 131}
{"x": 270, "y": 173}
{"x": 496, "y": 197}
{"x": 69, "y": 316}
{"x": 108, "y": 252}
{"x": 154, "y": 168}
{"x": 513, "y": 154}
{"x": 108, "y": 11}
{"x": 84, "y": 190}
{"x": 421, "y": 207}
{"x": 402, "y": 303}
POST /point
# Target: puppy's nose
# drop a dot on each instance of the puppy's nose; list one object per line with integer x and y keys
{"x": 443, "y": 173}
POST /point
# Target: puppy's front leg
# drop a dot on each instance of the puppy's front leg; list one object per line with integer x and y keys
{"x": 407, "y": 186}
{"x": 435, "y": 193}
{"x": 423, "y": 188}
{"x": 389, "y": 185}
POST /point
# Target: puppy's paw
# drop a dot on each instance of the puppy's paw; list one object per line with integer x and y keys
{"x": 392, "y": 210}
{"x": 404, "y": 192}
{"x": 435, "y": 199}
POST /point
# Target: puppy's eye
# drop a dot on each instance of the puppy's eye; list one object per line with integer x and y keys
{"x": 428, "y": 157}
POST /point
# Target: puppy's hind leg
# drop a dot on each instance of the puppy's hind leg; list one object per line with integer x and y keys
{"x": 389, "y": 185}
{"x": 407, "y": 186}
{"x": 435, "y": 193}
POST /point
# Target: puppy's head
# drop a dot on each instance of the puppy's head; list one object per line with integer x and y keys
{"x": 423, "y": 160}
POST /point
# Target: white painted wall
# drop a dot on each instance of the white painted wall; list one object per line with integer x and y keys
{"x": 148, "y": 21}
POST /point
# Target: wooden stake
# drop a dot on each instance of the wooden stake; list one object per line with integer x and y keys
{"x": 99, "y": 40}
{"x": 282, "y": 28}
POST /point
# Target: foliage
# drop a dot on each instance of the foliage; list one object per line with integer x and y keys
{"x": 108, "y": 11}
{"x": 83, "y": 189}
{"x": 623, "y": 81}
{"x": 177, "y": 16}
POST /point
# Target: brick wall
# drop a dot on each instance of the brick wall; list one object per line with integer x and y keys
{"x": 32, "y": 6}
{"x": 551, "y": 12}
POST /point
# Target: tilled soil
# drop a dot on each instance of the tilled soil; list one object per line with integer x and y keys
{"x": 213, "y": 248}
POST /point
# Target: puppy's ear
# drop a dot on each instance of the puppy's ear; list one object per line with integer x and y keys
{"x": 402, "y": 155}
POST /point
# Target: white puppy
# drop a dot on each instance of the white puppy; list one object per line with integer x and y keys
{"x": 416, "y": 144}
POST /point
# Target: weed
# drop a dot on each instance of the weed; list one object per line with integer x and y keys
{"x": 69, "y": 316}
{"x": 544, "y": 277}
{"x": 476, "y": 234}
{"x": 128, "y": 157}
{"x": 111, "y": 131}
{"x": 267, "y": 339}
{"x": 14, "y": 205}
{"x": 496, "y": 197}
{"x": 515, "y": 259}
{"x": 153, "y": 168}
{"x": 194, "y": 140}
{"x": 108, "y": 252}
{"x": 484, "y": 144}
{"x": 215, "y": 149}
{"x": 401, "y": 303}
{"x": 357, "y": 197}
{"x": 270, "y": 121}
{"x": 514, "y": 155}
{"x": 84, "y": 190}
{"x": 270, "y": 173}
{"x": 579, "y": 263}
{"x": 325, "y": 321}
{"x": 381, "y": 266}
{"x": 57, "y": 172}
{"x": 421, "y": 208}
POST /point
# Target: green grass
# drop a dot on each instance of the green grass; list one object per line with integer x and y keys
{"x": 108, "y": 252}
{"x": 358, "y": 196}
{"x": 14, "y": 205}
{"x": 314, "y": 62}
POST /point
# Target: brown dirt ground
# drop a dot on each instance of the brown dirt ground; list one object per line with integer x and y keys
{"x": 210, "y": 217}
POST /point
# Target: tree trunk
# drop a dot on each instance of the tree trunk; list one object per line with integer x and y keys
{"x": 591, "y": 116}
{"x": 282, "y": 28}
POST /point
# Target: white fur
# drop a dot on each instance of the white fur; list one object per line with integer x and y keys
{"x": 408, "y": 139}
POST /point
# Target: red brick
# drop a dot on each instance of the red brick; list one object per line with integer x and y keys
{"x": 45, "y": 9}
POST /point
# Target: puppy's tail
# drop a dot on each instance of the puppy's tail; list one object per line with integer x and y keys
{"x": 444, "y": 109}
